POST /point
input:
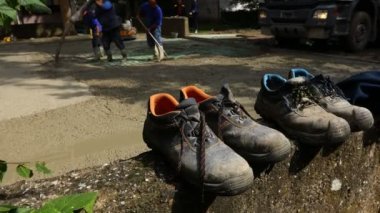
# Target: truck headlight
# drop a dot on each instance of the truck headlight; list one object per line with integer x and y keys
{"x": 321, "y": 14}
{"x": 262, "y": 14}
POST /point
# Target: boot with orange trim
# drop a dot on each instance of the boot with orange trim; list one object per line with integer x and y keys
{"x": 178, "y": 131}
{"x": 233, "y": 124}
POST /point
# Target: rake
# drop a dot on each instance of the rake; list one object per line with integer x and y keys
{"x": 161, "y": 52}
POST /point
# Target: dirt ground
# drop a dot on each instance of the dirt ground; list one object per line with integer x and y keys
{"x": 108, "y": 127}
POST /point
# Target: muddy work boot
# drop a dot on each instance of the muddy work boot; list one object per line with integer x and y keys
{"x": 232, "y": 123}
{"x": 289, "y": 103}
{"x": 332, "y": 99}
{"x": 180, "y": 133}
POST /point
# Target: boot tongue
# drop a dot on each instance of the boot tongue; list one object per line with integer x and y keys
{"x": 318, "y": 78}
{"x": 186, "y": 103}
{"x": 297, "y": 81}
{"x": 226, "y": 93}
{"x": 190, "y": 107}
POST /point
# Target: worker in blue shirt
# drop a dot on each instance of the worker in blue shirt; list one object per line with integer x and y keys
{"x": 153, "y": 19}
{"x": 111, "y": 23}
{"x": 96, "y": 28}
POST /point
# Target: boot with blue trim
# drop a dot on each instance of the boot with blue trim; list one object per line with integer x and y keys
{"x": 290, "y": 104}
{"x": 332, "y": 99}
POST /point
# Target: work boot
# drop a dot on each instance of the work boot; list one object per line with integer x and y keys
{"x": 289, "y": 103}
{"x": 180, "y": 133}
{"x": 332, "y": 99}
{"x": 232, "y": 123}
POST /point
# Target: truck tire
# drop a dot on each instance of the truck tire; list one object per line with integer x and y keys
{"x": 286, "y": 42}
{"x": 360, "y": 31}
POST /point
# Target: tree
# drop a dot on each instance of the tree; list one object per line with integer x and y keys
{"x": 10, "y": 10}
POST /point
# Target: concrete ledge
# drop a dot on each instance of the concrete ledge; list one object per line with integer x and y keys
{"x": 343, "y": 178}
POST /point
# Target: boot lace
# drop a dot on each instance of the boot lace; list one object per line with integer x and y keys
{"x": 300, "y": 97}
{"x": 328, "y": 88}
{"x": 235, "y": 108}
{"x": 200, "y": 132}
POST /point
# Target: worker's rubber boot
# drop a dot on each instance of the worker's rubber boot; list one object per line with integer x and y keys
{"x": 102, "y": 52}
{"x": 156, "y": 55}
{"x": 97, "y": 55}
{"x": 109, "y": 55}
{"x": 232, "y": 123}
{"x": 123, "y": 54}
{"x": 332, "y": 99}
{"x": 180, "y": 133}
{"x": 159, "y": 53}
{"x": 289, "y": 103}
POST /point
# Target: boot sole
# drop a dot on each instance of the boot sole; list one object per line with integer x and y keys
{"x": 318, "y": 139}
{"x": 269, "y": 157}
{"x": 314, "y": 139}
{"x": 230, "y": 187}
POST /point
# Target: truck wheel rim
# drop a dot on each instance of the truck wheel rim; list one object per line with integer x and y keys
{"x": 361, "y": 33}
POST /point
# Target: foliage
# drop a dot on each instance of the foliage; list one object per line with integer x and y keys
{"x": 9, "y": 9}
{"x": 71, "y": 203}
{"x": 23, "y": 169}
{"x": 65, "y": 204}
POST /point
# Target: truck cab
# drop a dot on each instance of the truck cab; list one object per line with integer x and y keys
{"x": 354, "y": 21}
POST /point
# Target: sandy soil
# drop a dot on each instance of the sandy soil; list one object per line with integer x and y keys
{"x": 108, "y": 127}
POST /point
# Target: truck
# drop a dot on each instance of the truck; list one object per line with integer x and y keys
{"x": 355, "y": 22}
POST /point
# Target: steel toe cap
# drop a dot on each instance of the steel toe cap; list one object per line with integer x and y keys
{"x": 338, "y": 130}
{"x": 223, "y": 163}
{"x": 259, "y": 143}
{"x": 363, "y": 119}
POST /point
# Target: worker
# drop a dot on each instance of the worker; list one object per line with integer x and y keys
{"x": 193, "y": 14}
{"x": 106, "y": 14}
{"x": 153, "y": 17}
{"x": 96, "y": 28}
{"x": 179, "y": 8}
